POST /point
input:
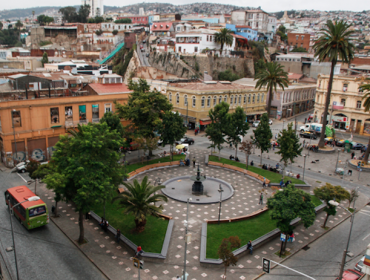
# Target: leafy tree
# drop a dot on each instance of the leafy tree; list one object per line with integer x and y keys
{"x": 353, "y": 195}
{"x": 299, "y": 49}
{"x": 282, "y": 33}
{"x": 224, "y": 37}
{"x": 42, "y": 19}
{"x": 259, "y": 66}
{"x": 366, "y": 97}
{"x": 123, "y": 20}
{"x": 44, "y": 59}
{"x": 271, "y": 77}
{"x": 263, "y": 135}
{"x": 83, "y": 13}
{"x": 18, "y": 24}
{"x": 86, "y": 168}
{"x": 237, "y": 127}
{"x": 330, "y": 192}
{"x": 290, "y": 147}
{"x": 98, "y": 19}
{"x": 228, "y": 75}
{"x": 32, "y": 167}
{"x": 145, "y": 109}
{"x": 289, "y": 204}
{"x": 114, "y": 122}
{"x": 99, "y": 32}
{"x": 246, "y": 147}
{"x": 334, "y": 43}
{"x": 69, "y": 14}
{"x": 115, "y": 32}
{"x": 171, "y": 129}
{"x": 225, "y": 251}
{"x": 139, "y": 200}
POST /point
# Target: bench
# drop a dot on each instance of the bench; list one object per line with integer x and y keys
{"x": 206, "y": 159}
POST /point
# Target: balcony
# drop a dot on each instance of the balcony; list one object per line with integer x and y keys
{"x": 95, "y": 120}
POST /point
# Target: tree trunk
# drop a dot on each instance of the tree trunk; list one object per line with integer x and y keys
{"x": 247, "y": 156}
{"x": 56, "y": 209}
{"x": 140, "y": 226}
{"x": 366, "y": 157}
{"x": 326, "y": 219}
{"x": 81, "y": 225}
{"x": 327, "y": 103}
{"x": 225, "y": 272}
{"x": 236, "y": 149}
{"x": 171, "y": 152}
{"x": 261, "y": 158}
{"x": 219, "y": 154}
{"x": 269, "y": 103}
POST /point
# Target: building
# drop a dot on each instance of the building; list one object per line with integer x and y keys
{"x": 271, "y": 27}
{"x": 299, "y": 40}
{"x": 257, "y": 19}
{"x": 243, "y": 30}
{"x": 137, "y": 19}
{"x": 162, "y": 29}
{"x": 96, "y": 7}
{"x": 293, "y": 100}
{"x": 38, "y": 122}
{"x": 346, "y": 110}
{"x": 79, "y": 67}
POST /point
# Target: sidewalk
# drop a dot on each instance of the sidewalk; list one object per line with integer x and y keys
{"x": 114, "y": 260}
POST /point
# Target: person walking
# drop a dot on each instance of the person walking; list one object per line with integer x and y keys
{"x": 193, "y": 162}
{"x": 250, "y": 247}
{"x": 352, "y": 155}
{"x": 304, "y": 142}
{"x": 282, "y": 183}
{"x": 261, "y": 199}
{"x": 275, "y": 136}
{"x": 139, "y": 251}
{"x": 118, "y": 235}
{"x": 264, "y": 183}
{"x": 106, "y": 225}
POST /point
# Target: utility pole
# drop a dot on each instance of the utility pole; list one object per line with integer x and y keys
{"x": 186, "y": 223}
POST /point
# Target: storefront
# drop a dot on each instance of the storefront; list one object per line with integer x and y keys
{"x": 367, "y": 127}
{"x": 203, "y": 124}
{"x": 340, "y": 121}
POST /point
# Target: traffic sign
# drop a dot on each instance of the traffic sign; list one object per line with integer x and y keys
{"x": 282, "y": 237}
{"x": 138, "y": 263}
{"x": 266, "y": 265}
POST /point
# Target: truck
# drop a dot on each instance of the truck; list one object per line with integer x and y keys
{"x": 314, "y": 127}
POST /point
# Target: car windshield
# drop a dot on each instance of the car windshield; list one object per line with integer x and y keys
{"x": 360, "y": 263}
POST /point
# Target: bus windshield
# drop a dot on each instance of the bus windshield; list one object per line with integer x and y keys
{"x": 36, "y": 211}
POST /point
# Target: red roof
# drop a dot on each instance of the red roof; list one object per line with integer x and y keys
{"x": 239, "y": 37}
{"x": 110, "y": 88}
{"x": 161, "y": 26}
{"x": 243, "y": 26}
{"x": 294, "y": 76}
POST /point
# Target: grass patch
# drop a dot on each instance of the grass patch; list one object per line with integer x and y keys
{"x": 286, "y": 253}
{"x": 44, "y": 43}
{"x": 318, "y": 182}
{"x": 351, "y": 209}
{"x": 315, "y": 201}
{"x": 132, "y": 167}
{"x": 151, "y": 240}
{"x": 272, "y": 176}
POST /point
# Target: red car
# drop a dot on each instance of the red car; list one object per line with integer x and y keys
{"x": 351, "y": 274}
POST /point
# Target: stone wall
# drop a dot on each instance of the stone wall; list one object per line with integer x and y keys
{"x": 131, "y": 68}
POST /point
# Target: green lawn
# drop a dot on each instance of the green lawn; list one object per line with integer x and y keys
{"x": 272, "y": 176}
{"x": 151, "y": 240}
{"x": 315, "y": 201}
{"x": 132, "y": 167}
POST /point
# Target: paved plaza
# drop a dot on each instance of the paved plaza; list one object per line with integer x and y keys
{"x": 115, "y": 261}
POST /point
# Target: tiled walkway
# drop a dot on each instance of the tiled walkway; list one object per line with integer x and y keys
{"x": 115, "y": 260}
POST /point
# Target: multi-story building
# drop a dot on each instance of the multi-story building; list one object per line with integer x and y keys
{"x": 243, "y": 30}
{"x": 136, "y": 19}
{"x": 257, "y": 19}
{"x": 96, "y": 7}
{"x": 299, "y": 40}
{"x": 271, "y": 27}
{"x": 346, "y": 109}
{"x": 162, "y": 29}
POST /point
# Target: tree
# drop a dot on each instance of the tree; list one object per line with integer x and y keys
{"x": 334, "y": 43}
{"x": 123, "y": 20}
{"x": 271, "y": 77}
{"x": 44, "y": 59}
{"x": 290, "y": 147}
{"x": 115, "y": 32}
{"x": 114, "y": 122}
{"x": 228, "y": 75}
{"x": 86, "y": 168}
{"x": 246, "y": 147}
{"x": 69, "y": 14}
{"x": 289, "y": 204}
{"x": 171, "y": 129}
{"x": 330, "y": 192}
{"x": 263, "y": 135}
{"x": 366, "y": 97}
{"x": 139, "y": 200}
{"x": 42, "y": 19}
{"x": 299, "y": 49}
{"x": 98, "y": 19}
{"x": 145, "y": 109}
{"x": 224, "y": 37}
{"x": 237, "y": 128}
{"x": 259, "y": 66}
{"x": 99, "y": 32}
{"x": 282, "y": 33}
{"x": 353, "y": 195}
{"x": 32, "y": 167}
{"x": 18, "y": 24}
{"x": 1, "y": 25}
{"x": 83, "y": 13}
{"x": 225, "y": 251}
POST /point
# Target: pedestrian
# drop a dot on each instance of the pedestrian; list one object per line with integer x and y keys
{"x": 261, "y": 199}
{"x": 118, "y": 235}
{"x": 193, "y": 162}
{"x": 304, "y": 142}
{"x": 252, "y": 163}
{"x": 277, "y": 166}
{"x": 87, "y": 216}
{"x": 250, "y": 247}
{"x": 102, "y": 223}
{"x": 358, "y": 165}
{"x": 352, "y": 155}
{"x": 281, "y": 183}
{"x": 305, "y": 120}
{"x": 275, "y": 136}
{"x": 273, "y": 146}
{"x": 264, "y": 182}
{"x": 139, "y": 251}
{"x": 106, "y": 225}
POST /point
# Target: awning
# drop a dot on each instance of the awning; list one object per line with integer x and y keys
{"x": 205, "y": 122}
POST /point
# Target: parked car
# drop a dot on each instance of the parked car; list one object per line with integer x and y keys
{"x": 256, "y": 123}
{"x": 144, "y": 41}
{"x": 308, "y": 134}
{"x": 360, "y": 264}
{"x": 21, "y": 167}
{"x": 185, "y": 140}
{"x": 147, "y": 55}
{"x": 364, "y": 148}
{"x": 339, "y": 143}
{"x": 351, "y": 274}
{"x": 357, "y": 146}
{"x": 270, "y": 122}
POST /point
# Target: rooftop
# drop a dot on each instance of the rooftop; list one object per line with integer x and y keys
{"x": 251, "y": 82}
{"x": 211, "y": 86}
{"x": 105, "y": 89}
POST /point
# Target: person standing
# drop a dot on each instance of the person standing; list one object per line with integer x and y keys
{"x": 261, "y": 199}
{"x": 250, "y": 247}
{"x": 304, "y": 142}
{"x": 264, "y": 182}
{"x": 106, "y": 225}
{"x": 193, "y": 162}
{"x": 118, "y": 235}
{"x": 352, "y": 155}
{"x": 139, "y": 251}
{"x": 282, "y": 183}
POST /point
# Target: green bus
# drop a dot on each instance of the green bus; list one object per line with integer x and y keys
{"x": 31, "y": 214}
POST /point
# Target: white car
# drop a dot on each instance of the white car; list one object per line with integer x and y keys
{"x": 360, "y": 264}
{"x": 270, "y": 122}
{"x": 256, "y": 123}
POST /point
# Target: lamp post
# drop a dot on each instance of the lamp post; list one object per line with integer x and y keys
{"x": 186, "y": 222}
{"x": 336, "y": 166}
{"x": 187, "y": 111}
{"x": 31, "y": 181}
{"x": 283, "y": 124}
{"x": 220, "y": 190}
{"x": 309, "y": 147}
{"x": 32, "y": 198}
{"x": 304, "y": 165}
{"x": 15, "y": 142}
{"x": 334, "y": 203}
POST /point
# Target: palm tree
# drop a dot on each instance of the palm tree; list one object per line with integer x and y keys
{"x": 224, "y": 37}
{"x": 366, "y": 88}
{"x": 334, "y": 43}
{"x": 271, "y": 77}
{"x": 139, "y": 200}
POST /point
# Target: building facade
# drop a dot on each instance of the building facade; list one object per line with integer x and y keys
{"x": 243, "y": 30}
{"x": 257, "y": 19}
{"x": 96, "y": 7}
{"x": 299, "y": 40}
{"x": 346, "y": 109}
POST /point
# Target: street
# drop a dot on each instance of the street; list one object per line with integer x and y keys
{"x": 42, "y": 253}
{"x": 142, "y": 54}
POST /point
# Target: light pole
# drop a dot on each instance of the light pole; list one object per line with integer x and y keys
{"x": 304, "y": 166}
{"x": 220, "y": 190}
{"x": 186, "y": 222}
{"x": 334, "y": 203}
{"x": 32, "y": 198}
{"x": 31, "y": 181}
{"x": 336, "y": 166}
{"x": 309, "y": 147}
{"x": 283, "y": 124}
{"x": 15, "y": 142}
{"x": 187, "y": 111}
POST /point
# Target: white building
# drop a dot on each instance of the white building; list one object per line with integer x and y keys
{"x": 271, "y": 27}
{"x": 141, "y": 12}
{"x": 96, "y": 7}
{"x": 257, "y": 19}
{"x": 195, "y": 41}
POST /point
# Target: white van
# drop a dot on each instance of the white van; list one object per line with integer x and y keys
{"x": 311, "y": 127}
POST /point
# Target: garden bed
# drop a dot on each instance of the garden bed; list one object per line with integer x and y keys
{"x": 133, "y": 167}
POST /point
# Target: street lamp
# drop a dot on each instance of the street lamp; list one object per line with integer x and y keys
{"x": 186, "y": 222}
{"x": 336, "y": 167}
{"x": 32, "y": 198}
{"x": 304, "y": 165}
{"x": 335, "y": 204}
{"x": 220, "y": 190}
{"x": 31, "y": 181}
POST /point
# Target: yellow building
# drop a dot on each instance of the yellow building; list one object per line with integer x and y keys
{"x": 346, "y": 109}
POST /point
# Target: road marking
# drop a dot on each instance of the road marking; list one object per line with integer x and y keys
{"x": 22, "y": 177}
{"x": 366, "y": 237}
{"x": 364, "y": 213}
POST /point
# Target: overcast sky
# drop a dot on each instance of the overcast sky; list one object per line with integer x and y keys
{"x": 267, "y": 5}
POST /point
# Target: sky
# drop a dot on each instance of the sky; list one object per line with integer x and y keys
{"x": 267, "y": 5}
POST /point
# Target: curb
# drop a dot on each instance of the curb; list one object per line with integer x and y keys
{"x": 74, "y": 243}
{"x": 291, "y": 255}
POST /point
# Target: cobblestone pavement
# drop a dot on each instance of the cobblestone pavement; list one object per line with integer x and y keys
{"x": 115, "y": 260}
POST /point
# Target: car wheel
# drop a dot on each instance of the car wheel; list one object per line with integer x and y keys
{"x": 23, "y": 170}
{"x": 302, "y": 130}
{"x": 191, "y": 143}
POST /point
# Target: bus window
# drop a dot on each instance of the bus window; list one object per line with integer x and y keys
{"x": 36, "y": 211}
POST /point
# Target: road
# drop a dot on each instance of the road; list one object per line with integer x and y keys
{"x": 322, "y": 260}
{"x": 142, "y": 54}
{"x": 43, "y": 253}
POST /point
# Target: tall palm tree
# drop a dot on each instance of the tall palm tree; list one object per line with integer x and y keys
{"x": 334, "y": 43}
{"x": 224, "y": 37}
{"x": 271, "y": 77}
{"x": 366, "y": 88}
{"x": 139, "y": 200}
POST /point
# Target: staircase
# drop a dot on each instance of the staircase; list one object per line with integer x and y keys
{"x": 112, "y": 54}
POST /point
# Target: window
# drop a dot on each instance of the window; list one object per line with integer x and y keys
{"x": 195, "y": 49}
{"x": 297, "y": 37}
{"x": 68, "y": 113}
{"x": 209, "y": 101}
{"x": 220, "y": 99}
{"x": 358, "y": 105}
{"x": 170, "y": 97}
{"x": 214, "y": 100}
{"x": 258, "y": 98}
{"x": 95, "y": 111}
{"x": 202, "y": 102}
{"x": 240, "y": 99}
{"x": 343, "y": 102}
{"x": 17, "y": 122}
{"x": 249, "y": 98}
{"x": 254, "y": 97}
{"x": 231, "y": 99}
{"x": 107, "y": 107}
{"x": 207, "y": 38}
{"x": 82, "y": 113}
{"x": 185, "y": 100}
{"x": 263, "y": 97}
{"x": 345, "y": 87}
{"x": 302, "y": 37}
{"x": 194, "y": 101}
{"x": 225, "y": 98}
{"x": 54, "y": 114}
{"x": 177, "y": 98}
{"x": 245, "y": 98}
